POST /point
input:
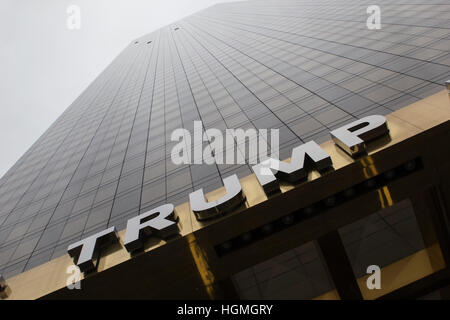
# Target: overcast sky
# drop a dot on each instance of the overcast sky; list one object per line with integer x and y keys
{"x": 44, "y": 65}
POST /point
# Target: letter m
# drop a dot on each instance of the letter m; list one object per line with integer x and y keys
{"x": 304, "y": 158}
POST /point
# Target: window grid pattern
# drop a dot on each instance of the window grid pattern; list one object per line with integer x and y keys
{"x": 304, "y": 67}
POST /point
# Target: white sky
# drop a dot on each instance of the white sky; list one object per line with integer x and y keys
{"x": 44, "y": 66}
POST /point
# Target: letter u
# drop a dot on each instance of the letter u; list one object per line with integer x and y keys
{"x": 233, "y": 198}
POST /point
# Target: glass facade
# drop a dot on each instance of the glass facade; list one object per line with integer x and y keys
{"x": 380, "y": 239}
{"x": 304, "y": 67}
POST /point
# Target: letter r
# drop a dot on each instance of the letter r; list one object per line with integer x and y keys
{"x": 153, "y": 221}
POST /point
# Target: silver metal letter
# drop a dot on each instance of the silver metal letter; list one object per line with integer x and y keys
{"x": 151, "y": 222}
{"x": 82, "y": 251}
{"x": 232, "y": 199}
{"x": 352, "y": 137}
{"x": 294, "y": 170}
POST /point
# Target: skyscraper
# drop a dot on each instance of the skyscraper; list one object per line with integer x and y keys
{"x": 303, "y": 67}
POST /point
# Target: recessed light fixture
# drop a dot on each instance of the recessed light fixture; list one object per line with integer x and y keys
{"x": 291, "y": 219}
